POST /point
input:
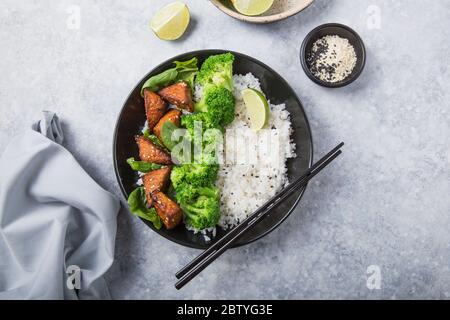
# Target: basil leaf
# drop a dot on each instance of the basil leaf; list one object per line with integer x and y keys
{"x": 143, "y": 166}
{"x": 138, "y": 206}
{"x": 183, "y": 71}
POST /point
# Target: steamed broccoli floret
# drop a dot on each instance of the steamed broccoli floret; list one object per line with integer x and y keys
{"x": 202, "y": 208}
{"x": 187, "y": 192}
{"x": 213, "y": 146}
{"x": 218, "y": 102}
{"x": 204, "y": 126}
{"x": 201, "y": 205}
{"x": 203, "y": 119}
{"x": 217, "y": 70}
{"x": 202, "y": 214}
{"x": 197, "y": 175}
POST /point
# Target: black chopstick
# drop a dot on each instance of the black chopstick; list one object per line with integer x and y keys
{"x": 217, "y": 244}
{"x": 215, "y": 250}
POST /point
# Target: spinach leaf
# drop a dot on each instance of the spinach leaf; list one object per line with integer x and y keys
{"x": 171, "y": 193}
{"x": 153, "y": 139}
{"x": 160, "y": 80}
{"x": 183, "y": 71}
{"x": 187, "y": 70}
{"x": 166, "y": 134}
{"x": 143, "y": 166}
{"x": 138, "y": 206}
{"x": 147, "y": 133}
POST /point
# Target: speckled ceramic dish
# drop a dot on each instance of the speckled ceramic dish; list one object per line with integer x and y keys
{"x": 281, "y": 9}
{"x": 132, "y": 118}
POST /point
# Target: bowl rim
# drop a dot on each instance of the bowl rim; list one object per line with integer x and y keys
{"x": 261, "y": 19}
{"x": 212, "y": 51}
{"x": 343, "y": 83}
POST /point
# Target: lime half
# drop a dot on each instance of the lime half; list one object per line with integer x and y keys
{"x": 252, "y": 7}
{"x": 171, "y": 22}
{"x": 257, "y": 108}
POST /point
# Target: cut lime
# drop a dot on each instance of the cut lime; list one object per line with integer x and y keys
{"x": 252, "y": 7}
{"x": 171, "y": 22}
{"x": 257, "y": 108}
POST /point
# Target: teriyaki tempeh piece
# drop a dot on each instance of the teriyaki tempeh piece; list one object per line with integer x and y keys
{"x": 168, "y": 210}
{"x": 178, "y": 94}
{"x": 155, "y": 107}
{"x": 150, "y": 152}
{"x": 156, "y": 180}
{"x": 173, "y": 116}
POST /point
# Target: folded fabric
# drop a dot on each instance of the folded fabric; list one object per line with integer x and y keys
{"x": 57, "y": 225}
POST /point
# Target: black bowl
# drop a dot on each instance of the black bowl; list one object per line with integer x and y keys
{"x": 132, "y": 118}
{"x": 344, "y": 32}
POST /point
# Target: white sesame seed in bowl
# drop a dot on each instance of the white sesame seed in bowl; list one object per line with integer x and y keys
{"x": 333, "y": 55}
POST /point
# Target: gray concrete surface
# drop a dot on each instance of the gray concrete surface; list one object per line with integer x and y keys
{"x": 386, "y": 203}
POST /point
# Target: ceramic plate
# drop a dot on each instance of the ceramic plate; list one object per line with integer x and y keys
{"x": 281, "y": 9}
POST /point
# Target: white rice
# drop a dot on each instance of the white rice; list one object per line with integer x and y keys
{"x": 255, "y": 168}
{"x": 206, "y": 233}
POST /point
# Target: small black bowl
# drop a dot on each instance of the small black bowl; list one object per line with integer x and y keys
{"x": 344, "y": 32}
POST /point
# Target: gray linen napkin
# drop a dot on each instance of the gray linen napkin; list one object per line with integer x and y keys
{"x": 57, "y": 225}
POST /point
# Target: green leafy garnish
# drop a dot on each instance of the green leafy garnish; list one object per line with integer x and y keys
{"x": 143, "y": 166}
{"x": 183, "y": 71}
{"x": 138, "y": 206}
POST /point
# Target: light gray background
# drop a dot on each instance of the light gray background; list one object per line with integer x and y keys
{"x": 385, "y": 203}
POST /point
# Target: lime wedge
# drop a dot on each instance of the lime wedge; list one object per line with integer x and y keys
{"x": 171, "y": 22}
{"x": 252, "y": 7}
{"x": 257, "y": 108}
